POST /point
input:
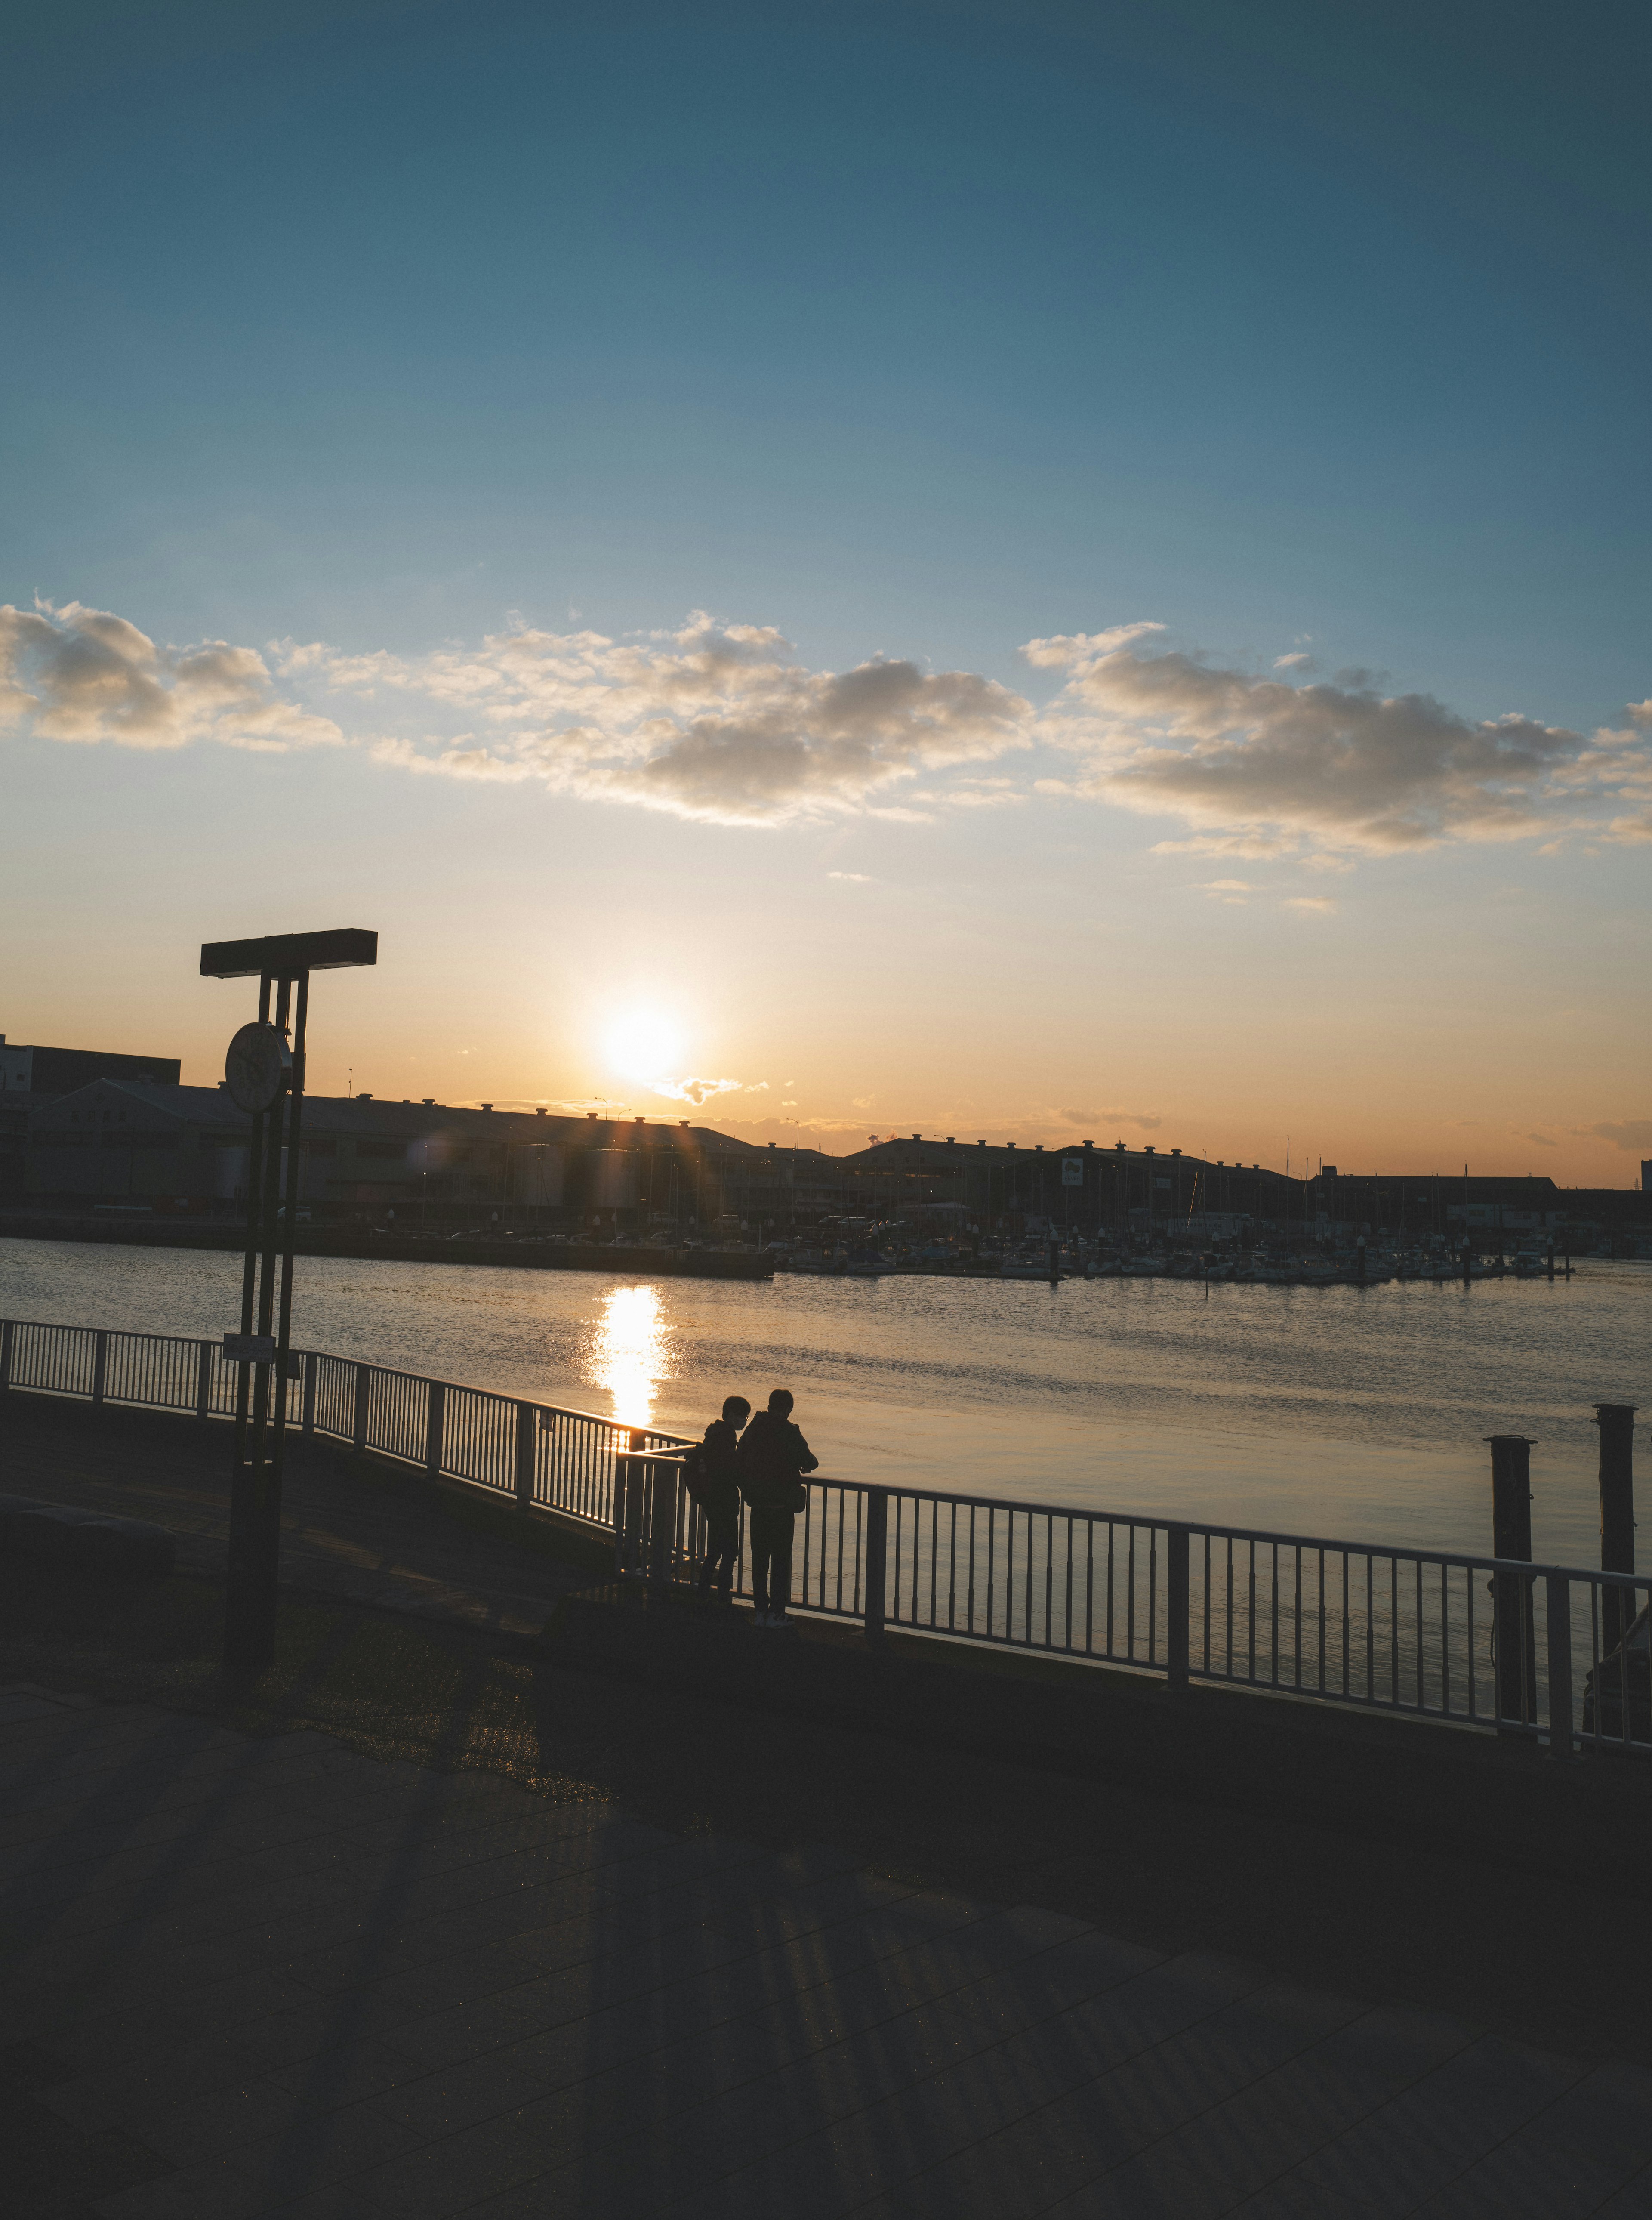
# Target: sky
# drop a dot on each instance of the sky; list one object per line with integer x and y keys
{"x": 1029, "y": 571}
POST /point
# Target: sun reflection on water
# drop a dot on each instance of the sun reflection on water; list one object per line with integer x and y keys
{"x": 629, "y": 1352}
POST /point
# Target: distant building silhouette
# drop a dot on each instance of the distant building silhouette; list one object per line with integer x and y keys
{"x": 31, "y": 1070}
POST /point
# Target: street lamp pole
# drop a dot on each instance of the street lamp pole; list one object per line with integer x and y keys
{"x": 266, "y": 1077}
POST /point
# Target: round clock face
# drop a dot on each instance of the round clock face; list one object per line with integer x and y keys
{"x": 256, "y": 1067}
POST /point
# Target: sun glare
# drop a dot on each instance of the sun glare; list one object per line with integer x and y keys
{"x": 641, "y": 1044}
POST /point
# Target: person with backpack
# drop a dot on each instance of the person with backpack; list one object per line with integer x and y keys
{"x": 711, "y": 1473}
{"x": 773, "y": 1457}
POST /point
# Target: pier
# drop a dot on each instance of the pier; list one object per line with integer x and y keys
{"x": 506, "y": 1885}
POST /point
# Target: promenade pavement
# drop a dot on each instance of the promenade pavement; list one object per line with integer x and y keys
{"x": 348, "y": 1531}
{"x": 274, "y": 1976}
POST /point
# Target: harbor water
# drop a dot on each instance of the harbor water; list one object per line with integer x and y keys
{"x": 1355, "y": 1413}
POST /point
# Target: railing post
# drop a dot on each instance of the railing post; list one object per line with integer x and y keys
{"x": 1616, "y": 1425}
{"x": 312, "y": 1370}
{"x": 203, "y": 1380}
{"x": 624, "y": 1473}
{"x": 1513, "y": 1628}
{"x": 435, "y": 1415}
{"x": 1558, "y": 1612}
{"x": 877, "y": 1552}
{"x": 1177, "y": 1592}
{"x": 526, "y": 1416}
{"x": 6, "y": 1333}
{"x": 100, "y": 1364}
{"x": 359, "y": 1428}
{"x": 663, "y": 1525}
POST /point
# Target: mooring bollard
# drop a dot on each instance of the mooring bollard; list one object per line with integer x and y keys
{"x": 1514, "y": 1632}
{"x": 1616, "y": 1425}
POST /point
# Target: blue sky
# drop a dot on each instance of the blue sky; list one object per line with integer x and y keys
{"x": 917, "y": 332}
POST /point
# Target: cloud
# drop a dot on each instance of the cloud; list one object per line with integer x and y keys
{"x": 1543, "y": 1140}
{"x": 81, "y": 675}
{"x": 1228, "y": 886}
{"x": 858, "y": 878}
{"x": 715, "y": 721}
{"x": 1255, "y": 848}
{"x": 1634, "y": 1135}
{"x": 1315, "y": 905}
{"x": 1067, "y": 649}
{"x": 1111, "y": 1118}
{"x": 1301, "y": 661}
{"x": 1260, "y": 766}
{"x": 722, "y": 722}
{"x": 697, "y": 1091}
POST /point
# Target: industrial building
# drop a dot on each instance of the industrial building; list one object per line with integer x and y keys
{"x": 1117, "y": 1190}
{"x": 28, "y": 1069}
{"x": 118, "y": 1143}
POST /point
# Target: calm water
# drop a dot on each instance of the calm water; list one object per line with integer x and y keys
{"x": 1338, "y": 1411}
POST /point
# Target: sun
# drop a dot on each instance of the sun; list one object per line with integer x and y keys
{"x": 643, "y": 1045}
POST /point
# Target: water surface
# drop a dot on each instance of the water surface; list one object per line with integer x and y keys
{"x": 1349, "y": 1412}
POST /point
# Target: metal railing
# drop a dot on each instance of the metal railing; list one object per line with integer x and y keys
{"x": 1550, "y": 1653}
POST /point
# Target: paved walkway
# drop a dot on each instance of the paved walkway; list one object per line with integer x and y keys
{"x": 359, "y": 1539}
{"x": 314, "y": 1985}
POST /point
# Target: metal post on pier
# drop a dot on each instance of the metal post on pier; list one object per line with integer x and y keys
{"x": 263, "y": 1073}
{"x": 527, "y": 1427}
{"x": 1177, "y": 1596}
{"x": 1562, "y": 1715}
{"x": 1616, "y": 1425}
{"x": 1513, "y": 1627}
{"x": 662, "y": 1474}
{"x": 877, "y": 1553}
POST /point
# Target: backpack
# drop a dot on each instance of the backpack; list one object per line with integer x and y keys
{"x": 696, "y": 1471}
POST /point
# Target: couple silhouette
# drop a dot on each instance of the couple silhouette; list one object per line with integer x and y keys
{"x": 760, "y": 1462}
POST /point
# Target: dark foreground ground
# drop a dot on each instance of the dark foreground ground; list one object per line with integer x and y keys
{"x": 642, "y": 1915}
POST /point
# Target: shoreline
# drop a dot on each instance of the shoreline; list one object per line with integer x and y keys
{"x": 652, "y": 1262}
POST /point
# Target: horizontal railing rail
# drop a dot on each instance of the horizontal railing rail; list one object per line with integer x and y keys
{"x": 1555, "y": 1654}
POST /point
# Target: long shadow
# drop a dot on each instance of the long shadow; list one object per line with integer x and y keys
{"x": 293, "y": 2160}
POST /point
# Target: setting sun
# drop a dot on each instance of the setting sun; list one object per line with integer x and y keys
{"x": 643, "y": 1044}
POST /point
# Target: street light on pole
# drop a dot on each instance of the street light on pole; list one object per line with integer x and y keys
{"x": 266, "y": 1077}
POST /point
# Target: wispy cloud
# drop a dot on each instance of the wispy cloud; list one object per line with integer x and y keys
{"x": 856, "y": 878}
{"x": 697, "y": 1091}
{"x": 1143, "y": 1119}
{"x": 1311, "y": 904}
{"x": 1633, "y": 1135}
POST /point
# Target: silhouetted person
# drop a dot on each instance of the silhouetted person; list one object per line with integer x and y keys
{"x": 713, "y": 1481}
{"x": 773, "y": 1458}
